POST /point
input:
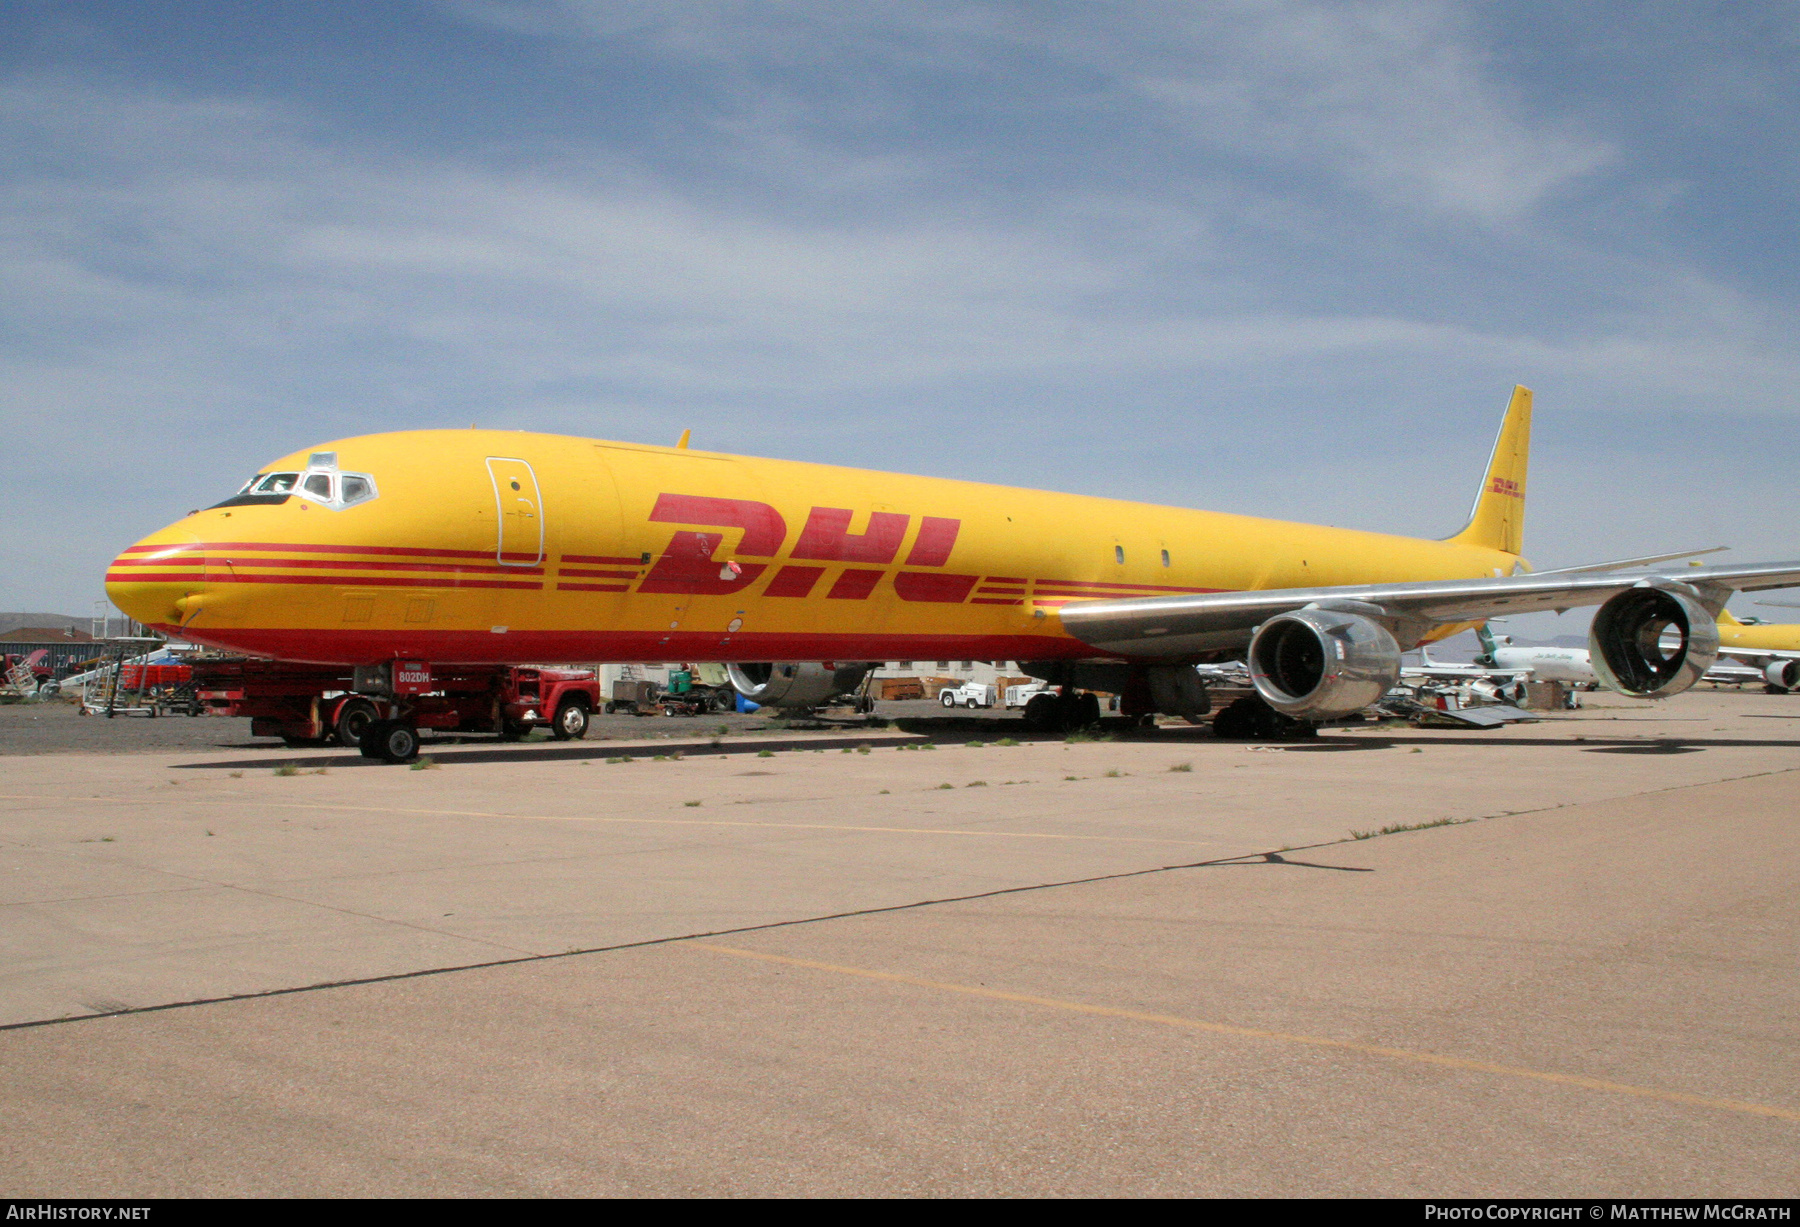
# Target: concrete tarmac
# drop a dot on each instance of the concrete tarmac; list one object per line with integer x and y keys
{"x": 1583, "y": 987}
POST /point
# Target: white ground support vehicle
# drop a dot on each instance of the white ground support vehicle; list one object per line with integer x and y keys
{"x": 969, "y": 694}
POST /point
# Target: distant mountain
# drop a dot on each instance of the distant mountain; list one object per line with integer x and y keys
{"x": 13, "y": 621}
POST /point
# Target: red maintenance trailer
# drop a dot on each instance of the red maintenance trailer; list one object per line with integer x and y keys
{"x": 311, "y": 705}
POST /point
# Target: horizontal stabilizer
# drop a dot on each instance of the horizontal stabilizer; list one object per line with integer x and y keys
{"x": 1648, "y": 560}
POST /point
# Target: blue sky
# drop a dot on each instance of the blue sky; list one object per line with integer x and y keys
{"x": 1270, "y": 257}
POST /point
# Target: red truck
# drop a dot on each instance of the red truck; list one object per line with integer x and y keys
{"x": 312, "y": 705}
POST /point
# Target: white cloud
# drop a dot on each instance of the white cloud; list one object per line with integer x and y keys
{"x": 232, "y": 278}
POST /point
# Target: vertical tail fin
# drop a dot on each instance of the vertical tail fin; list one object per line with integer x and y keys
{"x": 1497, "y": 520}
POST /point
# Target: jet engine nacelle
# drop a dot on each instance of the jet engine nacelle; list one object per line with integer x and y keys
{"x": 1500, "y": 692}
{"x": 1783, "y": 673}
{"x": 1318, "y": 664}
{"x": 798, "y": 684}
{"x": 1652, "y": 642}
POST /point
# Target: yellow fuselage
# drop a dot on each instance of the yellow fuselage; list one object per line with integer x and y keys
{"x": 490, "y": 546}
{"x": 1765, "y": 637}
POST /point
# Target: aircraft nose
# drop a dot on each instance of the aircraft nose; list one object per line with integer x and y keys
{"x": 158, "y": 580}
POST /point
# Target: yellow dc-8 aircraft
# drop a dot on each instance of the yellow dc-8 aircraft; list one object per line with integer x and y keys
{"x": 478, "y": 546}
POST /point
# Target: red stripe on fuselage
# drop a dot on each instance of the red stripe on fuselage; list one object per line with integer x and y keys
{"x": 338, "y": 581}
{"x": 1099, "y": 586}
{"x": 326, "y": 564}
{"x": 304, "y": 548}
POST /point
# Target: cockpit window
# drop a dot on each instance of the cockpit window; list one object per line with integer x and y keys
{"x": 263, "y": 490}
{"x": 321, "y": 484}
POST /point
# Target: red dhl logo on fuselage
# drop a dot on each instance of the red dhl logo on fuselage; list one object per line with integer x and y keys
{"x": 688, "y": 565}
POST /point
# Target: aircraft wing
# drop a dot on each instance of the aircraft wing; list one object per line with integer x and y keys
{"x": 1176, "y": 627}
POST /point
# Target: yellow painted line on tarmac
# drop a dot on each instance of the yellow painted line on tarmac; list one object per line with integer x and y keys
{"x": 671, "y": 822}
{"x": 1258, "y": 1033}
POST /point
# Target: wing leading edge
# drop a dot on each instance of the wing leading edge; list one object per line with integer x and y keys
{"x": 1190, "y": 627}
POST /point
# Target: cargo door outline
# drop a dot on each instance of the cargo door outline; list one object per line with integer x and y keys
{"x": 519, "y": 512}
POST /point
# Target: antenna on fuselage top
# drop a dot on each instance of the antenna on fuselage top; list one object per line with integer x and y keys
{"x": 683, "y": 441}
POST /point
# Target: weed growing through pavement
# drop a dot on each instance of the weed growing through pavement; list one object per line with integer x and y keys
{"x": 975, "y": 745}
{"x": 691, "y": 804}
{"x": 1114, "y": 774}
{"x": 621, "y": 759}
{"x": 976, "y": 784}
{"x": 237, "y": 775}
{"x": 1007, "y": 741}
{"x": 659, "y": 758}
{"x": 1181, "y": 766}
{"x": 288, "y": 769}
{"x": 1071, "y": 777}
{"x": 943, "y": 786}
{"x": 1394, "y": 828}
{"x": 424, "y": 764}
{"x": 1416, "y": 750}
{"x": 765, "y": 754}
{"x": 724, "y": 729}
{"x": 862, "y": 749}
{"x": 847, "y": 750}
{"x": 882, "y": 793}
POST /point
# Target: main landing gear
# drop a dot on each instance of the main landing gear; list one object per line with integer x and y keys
{"x": 1251, "y": 719}
{"x": 393, "y": 741}
{"x": 1062, "y": 713}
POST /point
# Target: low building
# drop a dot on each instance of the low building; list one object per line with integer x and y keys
{"x": 63, "y": 647}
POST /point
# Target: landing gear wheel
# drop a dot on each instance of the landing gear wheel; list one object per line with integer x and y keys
{"x": 571, "y": 723}
{"x": 1251, "y": 719}
{"x": 1237, "y": 721}
{"x": 353, "y": 720}
{"x": 1041, "y": 713}
{"x": 1075, "y": 712}
{"x": 393, "y": 741}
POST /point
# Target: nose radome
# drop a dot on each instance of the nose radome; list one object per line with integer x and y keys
{"x": 153, "y": 580}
